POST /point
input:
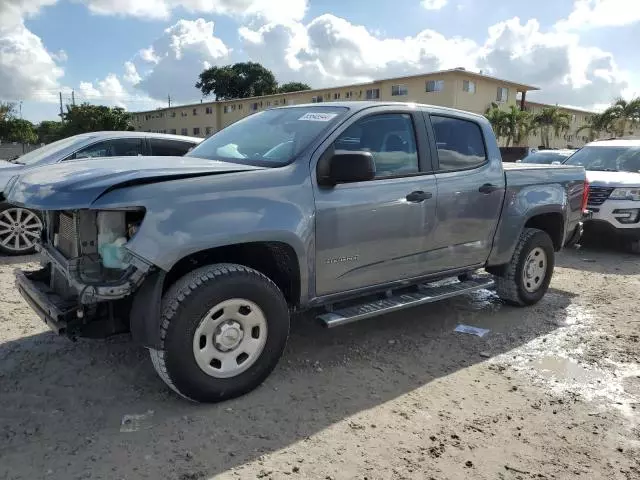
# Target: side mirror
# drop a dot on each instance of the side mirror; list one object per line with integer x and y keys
{"x": 346, "y": 166}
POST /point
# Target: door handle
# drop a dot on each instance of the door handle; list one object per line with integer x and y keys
{"x": 488, "y": 188}
{"x": 419, "y": 196}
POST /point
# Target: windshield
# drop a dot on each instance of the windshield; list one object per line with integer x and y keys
{"x": 607, "y": 159}
{"x": 271, "y": 138}
{"x": 40, "y": 153}
{"x": 544, "y": 157}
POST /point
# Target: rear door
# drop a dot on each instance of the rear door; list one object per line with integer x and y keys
{"x": 375, "y": 232}
{"x": 470, "y": 192}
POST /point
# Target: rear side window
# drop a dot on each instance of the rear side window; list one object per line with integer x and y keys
{"x": 460, "y": 143}
{"x": 169, "y": 148}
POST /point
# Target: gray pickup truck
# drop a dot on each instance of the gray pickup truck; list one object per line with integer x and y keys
{"x": 350, "y": 210}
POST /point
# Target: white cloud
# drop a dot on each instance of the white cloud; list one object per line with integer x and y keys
{"x": 331, "y": 51}
{"x": 162, "y": 9}
{"x": 131, "y": 73}
{"x": 601, "y": 13}
{"x": 172, "y": 64}
{"x": 27, "y": 69}
{"x": 109, "y": 91}
{"x": 434, "y": 4}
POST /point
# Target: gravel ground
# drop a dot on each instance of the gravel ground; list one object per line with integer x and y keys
{"x": 553, "y": 391}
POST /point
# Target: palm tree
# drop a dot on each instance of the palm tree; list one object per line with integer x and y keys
{"x": 551, "y": 119}
{"x": 519, "y": 125}
{"x": 597, "y": 124}
{"x": 498, "y": 120}
{"x": 624, "y": 113}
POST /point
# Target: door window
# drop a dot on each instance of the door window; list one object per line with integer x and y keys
{"x": 390, "y": 138}
{"x": 122, "y": 147}
{"x": 460, "y": 143}
{"x": 169, "y": 148}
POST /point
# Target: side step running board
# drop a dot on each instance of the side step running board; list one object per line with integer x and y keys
{"x": 425, "y": 294}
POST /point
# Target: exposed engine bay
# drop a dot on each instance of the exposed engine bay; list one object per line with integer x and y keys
{"x": 88, "y": 275}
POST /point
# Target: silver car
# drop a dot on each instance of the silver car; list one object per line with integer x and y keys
{"x": 20, "y": 227}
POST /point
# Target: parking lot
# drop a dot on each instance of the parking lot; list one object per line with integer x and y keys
{"x": 552, "y": 391}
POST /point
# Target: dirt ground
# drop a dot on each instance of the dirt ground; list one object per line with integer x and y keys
{"x": 552, "y": 391}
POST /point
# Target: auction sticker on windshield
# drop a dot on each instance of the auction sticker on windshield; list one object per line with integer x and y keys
{"x": 318, "y": 117}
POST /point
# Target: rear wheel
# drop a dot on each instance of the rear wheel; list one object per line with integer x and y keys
{"x": 526, "y": 278}
{"x": 224, "y": 328}
{"x": 20, "y": 230}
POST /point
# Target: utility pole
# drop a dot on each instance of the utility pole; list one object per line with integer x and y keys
{"x": 61, "y": 114}
{"x": 20, "y": 109}
{"x": 169, "y": 98}
{"x": 73, "y": 97}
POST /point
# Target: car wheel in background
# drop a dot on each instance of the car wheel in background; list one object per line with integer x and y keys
{"x": 20, "y": 229}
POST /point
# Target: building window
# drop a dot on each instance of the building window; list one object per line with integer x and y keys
{"x": 468, "y": 86}
{"x": 173, "y": 114}
{"x": 317, "y": 99}
{"x": 573, "y": 118}
{"x": 208, "y": 130}
{"x": 233, "y": 108}
{"x": 268, "y": 104}
{"x": 336, "y": 96}
{"x": 435, "y": 85}
{"x": 503, "y": 94}
{"x": 373, "y": 94}
{"x": 172, "y": 131}
{"x": 348, "y": 95}
{"x": 196, "y": 131}
{"x": 183, "y": 114}
{"x": 284, "y": 101}
{"x": 240, "y": 107}
{"x": 184, "y": 131}
{"x": 254, "y": 107}
{"x": 399, "y": 90}
{"x": 276, "y": 103}
{"x": 209, "y": 110}
{"x": 195, "y": 111}
{"x": 226, "y": 109}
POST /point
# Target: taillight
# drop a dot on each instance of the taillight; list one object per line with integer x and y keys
{"x": 585, "y": 196}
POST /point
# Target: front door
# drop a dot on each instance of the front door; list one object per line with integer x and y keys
{"x": 470, "y": 194}
{"x": 375, "y": 232}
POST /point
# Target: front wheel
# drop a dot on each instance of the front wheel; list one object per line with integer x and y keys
{"x": 224, "y": 328}
{"x": 526, "y": 278}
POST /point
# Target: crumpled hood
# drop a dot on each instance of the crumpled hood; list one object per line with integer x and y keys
{"x": 77, "y": 184}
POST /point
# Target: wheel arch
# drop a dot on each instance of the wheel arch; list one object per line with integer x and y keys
{"x": 276, "y": 260}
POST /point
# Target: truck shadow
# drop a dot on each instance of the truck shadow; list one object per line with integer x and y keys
{"x": 62, "y": 403}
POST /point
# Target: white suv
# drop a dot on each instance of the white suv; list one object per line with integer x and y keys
{"x": 613, "y": 173}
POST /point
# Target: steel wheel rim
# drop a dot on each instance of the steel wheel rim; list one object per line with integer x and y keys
{"x": 19, "y": 229}
{"x": 229, "y": 338}
{"x": 534, "y": 270}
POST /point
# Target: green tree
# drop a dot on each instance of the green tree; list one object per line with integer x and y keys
{"x": 293, "y": 87}
{"x": 498, "y": 120}
{"x": 7, "y": 111}
{"x": 624, "y": 115}
{"x": 519, "y": 125}
{"x": 240, "y": 80}
{"x": 94, "y": 118}
{"x": 18, "y": 130}
{"x": 551, "y": 120}
{"x": 596, "y": 125}
{"x": 49, "y": 131}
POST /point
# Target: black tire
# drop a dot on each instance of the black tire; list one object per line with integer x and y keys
{"x": 4, "y": 206}
{"x": 183, "y": 308}
{"x": 510, "y": 282}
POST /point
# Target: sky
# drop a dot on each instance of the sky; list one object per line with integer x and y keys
{"x": 137, "y": 53}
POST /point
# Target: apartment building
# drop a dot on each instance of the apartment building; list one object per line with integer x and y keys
{"x": 457, "y": 88}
